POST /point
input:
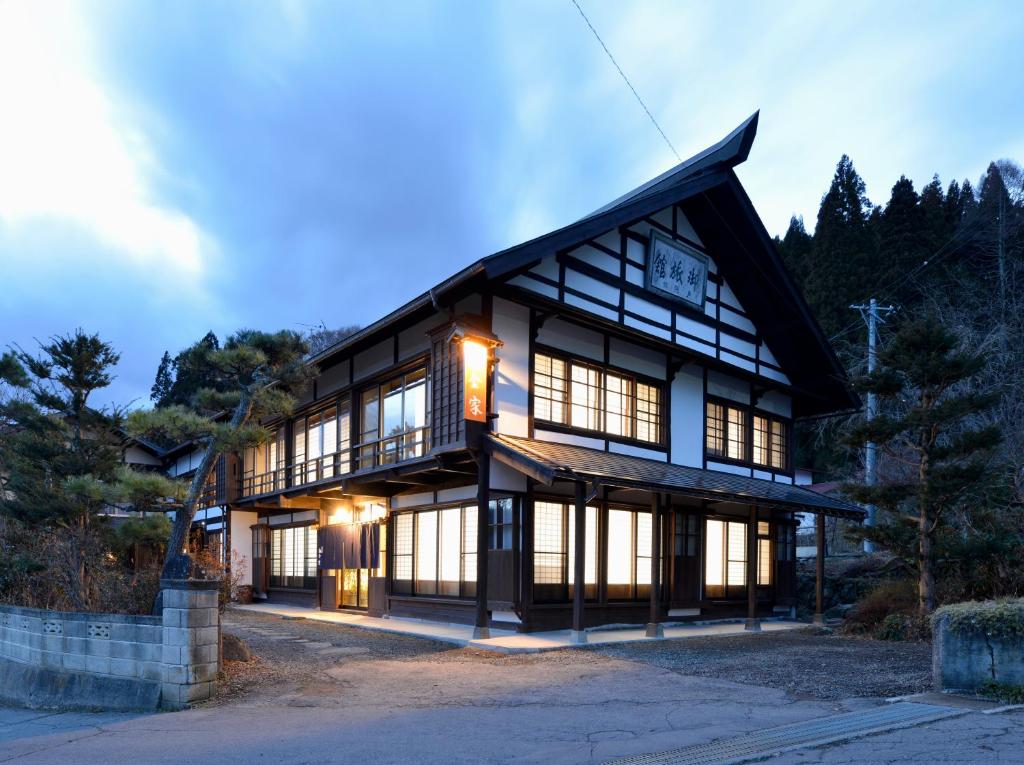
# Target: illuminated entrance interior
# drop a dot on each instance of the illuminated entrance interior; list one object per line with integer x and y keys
{"x": 359, "y": 543}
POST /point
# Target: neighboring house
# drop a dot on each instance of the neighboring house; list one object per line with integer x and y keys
{"x": 836, "y": 541}
{"x": 634, "y": 431}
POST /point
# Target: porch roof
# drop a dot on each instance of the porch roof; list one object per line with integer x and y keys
{"x": 546, "y": 461}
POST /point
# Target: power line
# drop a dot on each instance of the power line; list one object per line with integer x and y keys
{"x": 626, "y": 80}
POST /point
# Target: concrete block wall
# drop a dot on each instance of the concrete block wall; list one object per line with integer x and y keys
{"x": 191, "y": 641}
{"x": 114, "y": 660}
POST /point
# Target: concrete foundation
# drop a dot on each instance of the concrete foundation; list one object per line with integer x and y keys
{"x": 963, "y": 661}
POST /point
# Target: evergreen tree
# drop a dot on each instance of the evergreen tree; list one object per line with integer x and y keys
{"x": 189, "y": 372}
{"x": 61, "y": 457}
{"x": 842, "y": 254}
{"x": 795, "y": 248}
{"x": 935, "y": 452}
{"x": 901, "y": 248}
{"x": 253, "y": 376}
{"x": 161, "y": 389}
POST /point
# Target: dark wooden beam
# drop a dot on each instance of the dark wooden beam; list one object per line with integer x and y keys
{"x": 579, "y": 565}
{"x": 819, "y": 579}
{"x": 483, "y": 501}
{"x": 654, "y": 628}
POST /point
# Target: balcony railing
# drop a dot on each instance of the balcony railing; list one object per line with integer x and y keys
{"x": 393, "y": 449}
{"x": 370, "y": 454}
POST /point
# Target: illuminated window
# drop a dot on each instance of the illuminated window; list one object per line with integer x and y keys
{"x": 589, "y": 397}
{"x": 725, "y": 558}
{"x": 435, "y": 552}
{"x": 293, "y": 557}
{"x": 629, "y": 554}
{"x": 585, "y": 397}
{"x": 736, "y": 434}
{"x": 764, "y": 553}
{"x": 402, "y": 580}
{"x": 714, "y": 429}
{"x": 549, "y": 389}
{"x": 263, "y": 466}
{"x": 450, "y": 552}
{"x": 769, "y": 442}
{"x": 589, "y": 559}
{"x": 394, "y": 420}
{"x": 426, "y": 552}
{"x": 549, "y": 545}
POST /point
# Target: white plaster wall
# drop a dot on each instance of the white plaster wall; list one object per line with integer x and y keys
{"x": 242, "y": 522}
{"x": 568, "y": 438}
{"x": 511, "y": 324}
{"x": 572, "y": 339}
{"x": 626, "y": 355}
{"x": 777, "y": 403}
{"x": 723, "y": 385}
{"x": 134, "y": 455}
{"x": 635, "y": 451}
{"x": 504, "y": 478}
{"x": 687, "y": 417}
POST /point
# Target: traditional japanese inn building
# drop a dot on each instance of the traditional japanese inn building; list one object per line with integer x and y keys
{"x": 592, "y": 427}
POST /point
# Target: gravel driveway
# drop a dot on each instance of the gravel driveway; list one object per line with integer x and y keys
{"x": 806, "y": 664}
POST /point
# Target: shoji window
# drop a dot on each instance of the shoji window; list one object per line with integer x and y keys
{"x": 725, "y": 558}
{"x": 549, "y": 550}
{"x": 629, "y": 554}
{"x": 589, "y": 559}
{"x": 764, "y": 554}
{"x": 426, "y": 552}
{"x": 726, "y": 431}
{"x": 293, "y": 557}
{"x": 591, "y": 397}
{"x": 403, "y": 554}
{"x": 770, "y": 442}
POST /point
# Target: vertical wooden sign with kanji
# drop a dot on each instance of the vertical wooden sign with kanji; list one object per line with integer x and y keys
{"x": 474, "y": 370}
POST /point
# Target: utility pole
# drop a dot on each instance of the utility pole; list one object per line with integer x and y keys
{"x": 870, "y": 314}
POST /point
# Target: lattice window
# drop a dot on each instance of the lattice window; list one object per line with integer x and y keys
{"x": 736, "y": 433}
{"x": 648, "y": 413}
{"x": 549, "y": 389}
{"x": 714, "y": 430}
{"x": 585, "y": 397}
{"x": 549, "y": 548}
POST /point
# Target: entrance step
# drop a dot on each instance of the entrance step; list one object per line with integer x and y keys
{"x": 773, "y": 741}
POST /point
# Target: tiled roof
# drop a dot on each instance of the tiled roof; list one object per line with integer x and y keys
{"x": 549, "y": 460}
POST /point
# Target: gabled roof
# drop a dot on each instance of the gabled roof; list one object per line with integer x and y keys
{"x": 545, "y": 461}
{"x": 711, "y": 196}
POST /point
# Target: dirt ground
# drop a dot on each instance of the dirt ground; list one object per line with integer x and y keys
{"x": 805, "y": 664}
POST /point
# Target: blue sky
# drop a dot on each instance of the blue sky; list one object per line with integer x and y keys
{"x": 169, "y": 168}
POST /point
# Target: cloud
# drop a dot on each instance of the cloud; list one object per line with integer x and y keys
{"x": 70, "y": 155}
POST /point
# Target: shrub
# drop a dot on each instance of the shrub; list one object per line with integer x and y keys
{"x": 895, "y": 597}
{"x": 901, "y": 627}
{"x": 993, "y": 618}
{"x": 1009, "y": 694}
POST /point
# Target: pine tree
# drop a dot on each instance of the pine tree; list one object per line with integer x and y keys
{"x": 181, "y": 378}
{"x": 936, "y": 454}
{"x": 252, "y": 377}
{"x": 61, "y": 456}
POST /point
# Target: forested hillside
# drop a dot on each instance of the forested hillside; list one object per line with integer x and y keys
{"x": 956, "y": 251}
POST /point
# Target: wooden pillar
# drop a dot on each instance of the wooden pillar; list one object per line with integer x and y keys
{"x": 753, "y": 623}
{"x": 654, "y": 628}
{"x": 819, "y": 579}
{"x": 483, "y": 501}
{"x": 579, "y": 565}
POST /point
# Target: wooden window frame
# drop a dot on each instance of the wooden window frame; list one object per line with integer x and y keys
{"x": 603, "y": 370}
{"x": 750, "y": 413}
